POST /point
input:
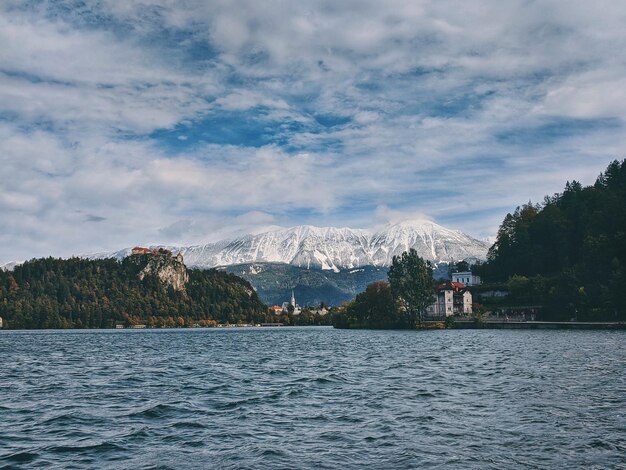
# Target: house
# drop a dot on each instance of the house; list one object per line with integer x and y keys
{"x": 139, "y": 250}
{"x": 452, "y": 298}
{"x": 467, "y": 278}
{"x": 320, "y": 311}
{"x": 276, "y": 309}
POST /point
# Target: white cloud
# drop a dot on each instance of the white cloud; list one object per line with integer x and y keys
{"x": 243, "y": 100}
{"x": 456, "y": 110}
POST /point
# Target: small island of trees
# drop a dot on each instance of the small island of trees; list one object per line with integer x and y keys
{"x": 399, "y": 303}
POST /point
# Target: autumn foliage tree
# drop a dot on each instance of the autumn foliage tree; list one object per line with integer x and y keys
{"x": 399, "y": 303}
{"x": 374, "y": 308}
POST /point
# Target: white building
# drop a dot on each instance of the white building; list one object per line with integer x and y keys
{"x": 0, "y": 322}
{"x": 292, "y": 302}
{"x": 453, "y": 298}
{"x": 467, "y": 278}
{"x": 320, "y": 311}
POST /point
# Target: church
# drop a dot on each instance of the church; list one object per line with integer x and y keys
{"x": 292, "y": 302}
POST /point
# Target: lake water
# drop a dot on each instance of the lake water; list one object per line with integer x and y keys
{"x": 312, "y": 398}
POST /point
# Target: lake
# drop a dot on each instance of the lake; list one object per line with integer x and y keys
{"x": 312, "y": 398}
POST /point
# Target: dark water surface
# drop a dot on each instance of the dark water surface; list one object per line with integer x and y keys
{"x": 312, "y": 398}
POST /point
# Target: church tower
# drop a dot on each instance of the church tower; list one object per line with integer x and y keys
{"x": 293, "y": 300}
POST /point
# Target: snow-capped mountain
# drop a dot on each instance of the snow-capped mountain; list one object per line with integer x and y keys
{"x": 335, "y": 248}
{"x": 9, "y": 266}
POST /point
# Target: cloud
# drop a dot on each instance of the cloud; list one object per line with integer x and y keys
{"x": 243, "y": 100}
{"x": 384, "y": 215}
{"x": 157, "y": 121}
{"x": 94, "y": 218}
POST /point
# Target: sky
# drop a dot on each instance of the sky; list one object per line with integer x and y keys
{"x": 187, "y": 121}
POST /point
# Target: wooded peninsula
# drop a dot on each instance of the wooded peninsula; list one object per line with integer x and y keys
{"x": 81, "y": 293}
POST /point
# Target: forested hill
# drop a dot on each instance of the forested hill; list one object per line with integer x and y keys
{"x": 568, "y": 253}
{"x": 155, "y": 290}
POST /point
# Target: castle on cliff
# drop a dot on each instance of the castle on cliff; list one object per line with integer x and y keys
{"x": 139, "y": 250}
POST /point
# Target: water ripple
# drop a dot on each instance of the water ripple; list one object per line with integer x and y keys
{"x": 312, "y": 398}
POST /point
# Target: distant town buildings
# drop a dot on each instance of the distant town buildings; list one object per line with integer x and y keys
{"x": 453, "y": 298}
{"x": 284, "y": 308}
{"x": 467, "y": 278}
{"x": 320, "y": 311}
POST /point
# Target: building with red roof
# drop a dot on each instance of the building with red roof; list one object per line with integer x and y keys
{"x": 140, "y": 250}
{"x": 452, "y": 298}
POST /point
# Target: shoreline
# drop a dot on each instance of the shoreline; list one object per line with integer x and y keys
{"x": 538, "y": 325}
{"x": 426, "y": 325}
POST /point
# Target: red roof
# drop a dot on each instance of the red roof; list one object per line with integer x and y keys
{"x": 450, "y": 285}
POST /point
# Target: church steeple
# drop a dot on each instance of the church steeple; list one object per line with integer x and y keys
{"x": 293, "y": 300}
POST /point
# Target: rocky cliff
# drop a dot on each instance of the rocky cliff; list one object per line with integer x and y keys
{"x": 169, "y": 270}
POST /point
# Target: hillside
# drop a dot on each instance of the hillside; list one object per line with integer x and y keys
{"x": 156, "y": 290}
{"x": 568, "y": 253}
{"x": 275, "y": 281}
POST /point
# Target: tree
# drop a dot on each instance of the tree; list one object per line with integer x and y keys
{"x": 72, "y": 293}
{"x": 412, "y": 285}
{"x": 374, "y": 308}
{"x": 462, "y": 266}
{"x": 567, "y": 254}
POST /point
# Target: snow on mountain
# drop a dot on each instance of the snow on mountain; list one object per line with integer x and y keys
{"x": 9, "y": 266}
{"x": 337, "y": 248}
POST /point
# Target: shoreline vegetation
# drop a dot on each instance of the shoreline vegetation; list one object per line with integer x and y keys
{"x": 141, "y": 291}
{"x": 561, "y": 262}
{"x": 563, "y": 259}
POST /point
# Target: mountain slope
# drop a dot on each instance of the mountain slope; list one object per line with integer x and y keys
{"x": 338, "y": 248}
{"x": 274, "y": 282}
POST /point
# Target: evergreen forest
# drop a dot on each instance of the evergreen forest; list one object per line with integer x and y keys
{"x": 81, "y": 293}
{"x": 567, "y": 254}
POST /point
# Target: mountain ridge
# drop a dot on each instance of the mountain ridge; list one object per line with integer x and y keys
{"x": 332, "y": 248}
